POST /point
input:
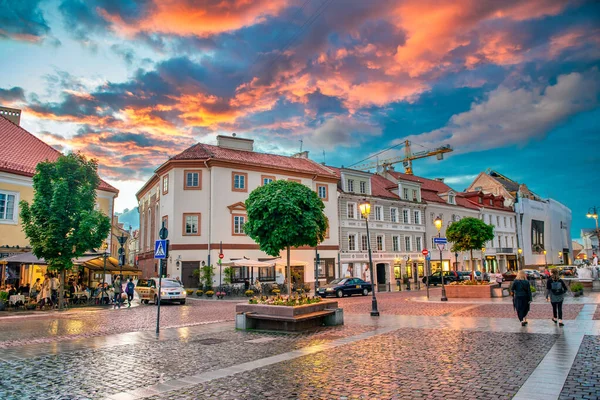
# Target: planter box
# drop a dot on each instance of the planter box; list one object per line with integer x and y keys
{"x": 470, "y": 291}
{"x": 285, "y": 318}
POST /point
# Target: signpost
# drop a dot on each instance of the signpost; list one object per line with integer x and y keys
{"x": 441, "y": 242}
{"x": 425, "y": 252}
{"x": 221, "y": 255}
{"x": 161, "y": 250}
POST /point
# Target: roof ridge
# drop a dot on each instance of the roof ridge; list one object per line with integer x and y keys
{"x": 32, "y": 135}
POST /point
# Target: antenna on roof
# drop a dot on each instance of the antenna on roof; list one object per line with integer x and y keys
{"x": 323, "y": 156}
{"x": 301, "y": 142}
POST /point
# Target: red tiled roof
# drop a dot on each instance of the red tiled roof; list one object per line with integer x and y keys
{"x": 430, "y": 190}
{"x": 473, "y": 198}
{"x": 21, "y": 152}
{"x": 201, "y": 151}
{"x": 380, "y": 185}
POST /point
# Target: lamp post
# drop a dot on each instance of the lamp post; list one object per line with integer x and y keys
{"x": 545, "y": 259}
{"x": 520, "y": 262}
{"x": 438, "y": 224}
{"x": 482, "y": 262}
{"x": 593, "y": 213}
{"x": 365, "y": 210}
{"x": 560, "y": 257}
{"x": 456, "y": 261}
{"x": 103, "y": 289}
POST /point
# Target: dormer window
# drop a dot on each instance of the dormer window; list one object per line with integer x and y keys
{"x": 350, "y": 185}
{"x": 451, "y": 199}
{"x": 491, "y": 202}
{"x": 363, "y": 187}
{"x": 480, "y": 200}
{"x": 405, "y": 193}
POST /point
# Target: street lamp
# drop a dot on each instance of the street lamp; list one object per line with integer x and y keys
{"x": 482, "y": 262}
{"x": 456, "y": 261}
{"x": 593, "y": 213}
{"x": 438, "y": 225}
{"x": 545, "y": 259}
{"x": 103, "y": 290}
{"x": 365, "y": 210}
{"x": 560, "y": 257}
{"x": 520, "y": 262}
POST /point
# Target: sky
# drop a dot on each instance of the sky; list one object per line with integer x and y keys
{"x": 512, "y": 85}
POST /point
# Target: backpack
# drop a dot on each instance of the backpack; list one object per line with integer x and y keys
{"x": 129, "y": 288}
{"x": 557, "y": 287}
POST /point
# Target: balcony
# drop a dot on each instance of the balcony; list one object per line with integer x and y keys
{"x": 505, "y": 250}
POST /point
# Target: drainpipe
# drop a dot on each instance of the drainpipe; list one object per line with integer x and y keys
{"x": 210, "y": 200}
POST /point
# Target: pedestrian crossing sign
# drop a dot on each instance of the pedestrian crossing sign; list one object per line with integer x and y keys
{"x": 160, "y": 249}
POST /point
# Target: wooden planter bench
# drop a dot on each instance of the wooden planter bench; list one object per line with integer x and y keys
{"x": 283, "y": 318}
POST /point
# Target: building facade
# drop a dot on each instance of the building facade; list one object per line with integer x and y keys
{"x": 199, "y": 195}
{"x": 396, "y": 229}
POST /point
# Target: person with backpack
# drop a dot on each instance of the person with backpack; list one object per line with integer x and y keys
{"x": 129, "y": 290}
{"x": 522, "y": 297}
{"x": 555, "y": 294}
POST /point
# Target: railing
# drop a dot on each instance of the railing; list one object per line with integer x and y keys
{"x": 505, "y": 250}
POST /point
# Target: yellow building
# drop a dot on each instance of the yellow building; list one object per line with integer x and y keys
{"x": 20, "y": 152}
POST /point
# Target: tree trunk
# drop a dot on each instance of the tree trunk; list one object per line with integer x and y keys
{"x": 61, "y": 291}
{"x": 472, "y": 267}
{"x": 289, "y": 272}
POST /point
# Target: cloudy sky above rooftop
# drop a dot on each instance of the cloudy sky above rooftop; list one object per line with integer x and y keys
{"x": 511, "y": 85}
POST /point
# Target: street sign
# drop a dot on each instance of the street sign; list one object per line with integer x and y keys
{"x": 221, "y": 255}
{"x": 163, "y": 233}
{"x": 440, "y": 240}
{"x": 441, "y": 246}
{"x": 428, "y": 258}
{"x": 425, "y": 252}
{"x": 160, "y": 249}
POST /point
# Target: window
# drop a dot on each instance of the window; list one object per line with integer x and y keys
{"x": 498, "y": 221}
{"x": 506, "y": 240}
{"x": 8, "y": 202}
{"x": 193, "y": 180}
{"x": 363, "y": 187}
{"x": 380, "y": 243}
{"x": 451, "y": 199}
{"x": 352, "y": 242}
{"x": 364, "y": 243}
{"x": 405, "y": 193}
{"x": 406, "y": 216}
{"x": 165, "y": 184}
{"x": 394, "y": 214}
{"x": 379, "y": 213}
{"x": 491, "y": 202}
{"x": 395, "y": 243}
{"x": 239, "y": 182}
{"x": 266, "y": 179}
{"x": 407, "y": 243}
{"x": 350, "y": 185}
{"x": 191, "y": 224}
{"x": 499, "y": 240}
{"x": 323, "y": 192}
{"x": 511, "y": 222}
{"x": 266, "y": 274}
{"x": 512, "y": 241}
{"x": 351, "y": 210}
{"x": 417, "y": 217}
{"x": 505, "y": 224}
{"x": 419, "y": 243}
{"x": 480, "y": 200}
{"x": 537, "y": 236}
{"x": 414, "y": 195}
{"x": 238, "y": 224}
{"x": 239, "y": 274}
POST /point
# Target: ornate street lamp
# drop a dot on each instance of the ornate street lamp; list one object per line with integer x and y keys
{"x": 520, "y": 262}
{"x": 545, "y": 259}
{"x": 365, "y": 210}
{"x": 593, "y": 213}
{"x": 456, "y": 261}
{"x": 438, "y": 225}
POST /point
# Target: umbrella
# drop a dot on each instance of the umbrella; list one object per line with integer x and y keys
{"x": 247, "y": 262}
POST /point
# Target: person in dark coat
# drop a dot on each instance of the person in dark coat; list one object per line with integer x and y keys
{"x": 556, "y": 289}
{"x": 522, "y": 296}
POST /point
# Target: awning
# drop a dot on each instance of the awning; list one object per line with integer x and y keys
{"x": 280, "y": 262}
{"x": 24, "y": 258}
{"x": 247, "y": 262}
{"x": 91, "y": 261}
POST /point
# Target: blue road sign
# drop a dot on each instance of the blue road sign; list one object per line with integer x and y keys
{"x": 160, "y": 249}
{"x": 428, "y": 258}
{"x": 440, "y": 240}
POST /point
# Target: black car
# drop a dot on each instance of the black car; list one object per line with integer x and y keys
{"x": 436, "y": 279}
{"x": 345, "y": 287}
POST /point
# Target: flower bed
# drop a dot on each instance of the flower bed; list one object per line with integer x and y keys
{"x": 470, "y": 291}
{"x": 285, "y": 301}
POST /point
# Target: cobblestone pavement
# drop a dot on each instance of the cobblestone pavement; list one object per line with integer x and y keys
{"x": 81, "y": 323}
{"x": 407, "y": 364}
{"x": 96, "y": 373}
{"x": 537, "y": 311}
{"x": 583, "y": 381}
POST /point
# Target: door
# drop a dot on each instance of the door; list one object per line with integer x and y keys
{"x": 297, "y": 276}
{"x": 187, "y": 274}
{"x": 381, "y": 281}
{"x": 329, "y": 269}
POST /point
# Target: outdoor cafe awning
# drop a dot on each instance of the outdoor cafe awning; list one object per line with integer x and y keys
{"x": 92, "y": 261}
{"x": 247, "y": 262}
{"x": 24, "y": 258}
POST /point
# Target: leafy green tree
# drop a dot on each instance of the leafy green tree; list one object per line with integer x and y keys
{"x": 206, "y": 276}
{"x": 285, "y": 214}
{"x": 61, "y": 222}
{"x": 469, "y": 234}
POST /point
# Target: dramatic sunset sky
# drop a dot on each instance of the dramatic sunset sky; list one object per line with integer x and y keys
{"x": 511, "y": 85}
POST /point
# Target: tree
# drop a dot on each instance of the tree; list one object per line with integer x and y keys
{"x": 469, "y": 234}
{"x": 61, "y": 222}
{"x": 285, "y": 214}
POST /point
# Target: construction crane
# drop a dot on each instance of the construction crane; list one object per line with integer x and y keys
{"x": 409, "y": 156}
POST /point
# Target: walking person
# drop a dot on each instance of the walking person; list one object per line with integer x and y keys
{"x": 129, "y": 290}
{"x": 54, "y": 286}
{"x": 521, "y": 292}
{"x": 35, "y": 288}
{"x": 556, "y": 289}
{"x": 118, "y": 289}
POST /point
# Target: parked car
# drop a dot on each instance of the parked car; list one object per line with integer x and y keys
{"x": 569, "y": 271}
{"x": 509, "y": 276}
{"x": 171, "y": 291}
{"x": 532, "y": 274}
{"x": 345, "y": 287}
{"x": 436, "y": 278}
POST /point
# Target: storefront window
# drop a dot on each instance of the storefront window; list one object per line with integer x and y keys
{"x": 435, "y": 265}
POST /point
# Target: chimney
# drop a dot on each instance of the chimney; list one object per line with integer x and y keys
{"x": 11, "y": 114}
{"x": 234, "y": 142}
{"x": 302, "y": 154}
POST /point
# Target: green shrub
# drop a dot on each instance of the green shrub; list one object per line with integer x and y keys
{"x": 533, "y": 289}
{"x": 576, "y": 287}
{"x": 4, "y": 296}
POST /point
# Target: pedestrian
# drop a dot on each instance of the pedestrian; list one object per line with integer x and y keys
{"x": 45, "y": 294}
{"x": 555, "y": 294}
{"x": 499, "y": 279}
{"x": 258, "y": 286}
{"x": 246, "y": 284}
{"x": 54, "y": 286}
{"x": 522, "y": 297}
{"x": 129, "y": 290}
{"x": 35, "y": 288}
{"x": 118, "y": 289}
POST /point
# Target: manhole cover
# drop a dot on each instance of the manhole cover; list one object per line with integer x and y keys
{"x": 210, "y": 341}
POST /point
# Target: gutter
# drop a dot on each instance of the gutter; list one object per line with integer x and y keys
{"x": 210, "y": 200}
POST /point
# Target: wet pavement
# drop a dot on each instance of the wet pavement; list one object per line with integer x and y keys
{"x": 416, "y": 349}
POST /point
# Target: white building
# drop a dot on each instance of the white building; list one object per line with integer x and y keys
{"x": 396, "y": 229}
{"x": 200, "y": 195}
{"x": 589, "y": 237}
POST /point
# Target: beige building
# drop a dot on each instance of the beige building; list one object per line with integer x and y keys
{"x": 199, "y": 195}
{"x": 20, "y": 153}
